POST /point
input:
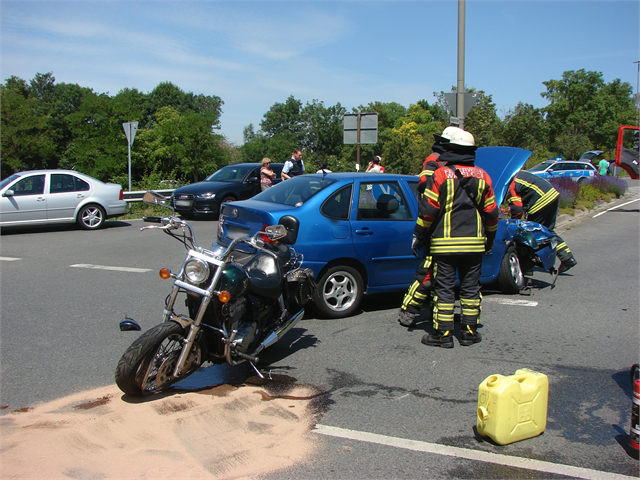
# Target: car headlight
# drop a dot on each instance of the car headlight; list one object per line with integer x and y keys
{"x": 196, "y": 271}
{"x": 206, "y": 196}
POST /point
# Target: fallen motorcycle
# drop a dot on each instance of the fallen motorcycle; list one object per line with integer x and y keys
{"x": 239, "y": 302}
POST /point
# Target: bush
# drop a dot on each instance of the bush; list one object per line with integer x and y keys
{"x": 613, "y": 185}
{"x": 568, "y": 190}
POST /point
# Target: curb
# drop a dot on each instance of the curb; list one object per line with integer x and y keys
{"x": 565, "y": 221}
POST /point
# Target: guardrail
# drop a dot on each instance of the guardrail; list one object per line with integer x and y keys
{"x": 130, "y": 197}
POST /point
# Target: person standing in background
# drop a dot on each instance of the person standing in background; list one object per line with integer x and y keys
{"x": 266, "y": 174}
{"x": 374, "y": 165}
{"x": 294, "y": 166}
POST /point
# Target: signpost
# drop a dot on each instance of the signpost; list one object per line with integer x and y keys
{"x": 470, "y": 99}
{"x": 130, "y": 129}
{"x": 360, "y": 128}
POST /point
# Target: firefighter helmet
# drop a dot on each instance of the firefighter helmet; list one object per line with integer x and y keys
{"x": 463, "y": 138}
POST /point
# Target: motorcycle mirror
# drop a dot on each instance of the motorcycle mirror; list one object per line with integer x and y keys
{"x": 154, "y": 198}
{"x": 275, "y": 232}
{"x": 129, "y": 324}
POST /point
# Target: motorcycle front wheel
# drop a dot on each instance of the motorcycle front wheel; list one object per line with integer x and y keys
{"x": 147, "y": 365}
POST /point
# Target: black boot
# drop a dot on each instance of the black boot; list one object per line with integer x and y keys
{"x": 438, "y": 339}
{"x": 469, "y": 336}
{"x": 567, "y": 264}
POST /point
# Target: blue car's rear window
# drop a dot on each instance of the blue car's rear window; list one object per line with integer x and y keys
{"x": 294, "y": 191}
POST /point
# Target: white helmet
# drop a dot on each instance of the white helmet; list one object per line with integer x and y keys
{"x": 463, "y": 139}
{"x": 449, "y": 131}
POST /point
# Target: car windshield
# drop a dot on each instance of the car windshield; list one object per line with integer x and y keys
{"x": 542, "y": 166}
{"x": 295, "y": 191}
{"x": 230, "y": 173}
{"x": 8, "y": 180}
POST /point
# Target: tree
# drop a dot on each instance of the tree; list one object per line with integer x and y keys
{"x": 583, "y": 105}
{"x": 180, "y": 146}
{"x": 26, "y": 143}
{"x": 323, "y": 128}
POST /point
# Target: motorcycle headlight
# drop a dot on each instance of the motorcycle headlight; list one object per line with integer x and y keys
{"x": 196, "y": 271}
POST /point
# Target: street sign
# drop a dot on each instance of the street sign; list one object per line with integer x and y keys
{"x": 470, "y": 99}
{"x": 130, "y": 129}
{"x": 360, "y": 128}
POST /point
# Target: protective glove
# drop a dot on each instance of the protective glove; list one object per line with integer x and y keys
{"x": 416, "y": 245}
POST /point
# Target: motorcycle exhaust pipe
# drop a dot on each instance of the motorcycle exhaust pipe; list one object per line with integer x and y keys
{"x": 278, "y": 333}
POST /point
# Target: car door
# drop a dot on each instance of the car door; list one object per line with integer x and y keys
{"x": 382, "y": 227}
{"x": 66, "y": 192}
{"x": 25, "y": 201}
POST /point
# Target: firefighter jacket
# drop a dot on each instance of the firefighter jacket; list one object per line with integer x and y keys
{"x": 457, "y": 209}
{"x": 531, "y": 192}
{"x": 429, "y": 166}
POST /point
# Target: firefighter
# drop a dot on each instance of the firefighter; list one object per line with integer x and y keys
{"x": 420, "y": 290}
{"x": 538, "y": 197}
{"x": 457, "y": 223}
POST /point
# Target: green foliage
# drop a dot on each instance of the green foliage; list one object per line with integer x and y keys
{"x": 50, "y": 125}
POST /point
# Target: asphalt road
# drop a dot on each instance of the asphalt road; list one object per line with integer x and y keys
{"x": 390, "y": 407}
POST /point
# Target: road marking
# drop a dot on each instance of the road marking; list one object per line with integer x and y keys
{"x": 468, "y": 454}
{"x": 105, "y": 267}
{"x": 617, "y": 206}
{"x": 511, "y": 301}
{"x": 9, "y": 259}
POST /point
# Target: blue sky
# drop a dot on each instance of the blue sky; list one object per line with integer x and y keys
{"x": 254, "y": 54}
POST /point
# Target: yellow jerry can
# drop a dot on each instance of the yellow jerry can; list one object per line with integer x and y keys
{"x": 513, "y": 408}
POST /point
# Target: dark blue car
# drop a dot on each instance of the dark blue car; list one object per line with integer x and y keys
{"x": 356, "y": 229}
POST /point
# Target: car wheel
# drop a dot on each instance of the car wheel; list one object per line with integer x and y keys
{"x": 339, "y": 292}
{"x": 227, "y": 199}
{"x": 91, "y": 217}
{"x": 511, "y": 278}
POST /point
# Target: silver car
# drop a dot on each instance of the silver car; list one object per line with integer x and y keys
{"x": 39, "y": 197}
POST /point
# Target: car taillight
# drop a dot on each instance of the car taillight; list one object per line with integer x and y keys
{"x": 121, "y": 197}
{"x": 264, "y": 238}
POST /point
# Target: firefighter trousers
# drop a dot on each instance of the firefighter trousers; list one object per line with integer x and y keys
{"x": 420, "y": 290}
{"x": 468, "y": 268}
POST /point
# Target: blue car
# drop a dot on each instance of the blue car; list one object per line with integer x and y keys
{"x": 356, "y": 229}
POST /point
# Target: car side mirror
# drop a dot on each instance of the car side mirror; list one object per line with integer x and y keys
{"x": 252, "y": 179}
{"x": 8, "y": 193}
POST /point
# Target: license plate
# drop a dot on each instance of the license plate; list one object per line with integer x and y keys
{"x": 183, "y": 203}
{"x": 234, "y": 232}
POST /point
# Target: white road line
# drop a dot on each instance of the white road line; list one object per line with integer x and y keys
{"x": 105, "y": 267}
{"x": 617, "y": 206}
{"x": 9, "y": 259}
{"x": 511, "y": 301}
{"x": 468, "y": 454}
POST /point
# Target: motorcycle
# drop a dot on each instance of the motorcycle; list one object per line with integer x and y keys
{"x": 239, "y": 301}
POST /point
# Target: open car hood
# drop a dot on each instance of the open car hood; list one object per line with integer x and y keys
{"x": 502, "y": 164}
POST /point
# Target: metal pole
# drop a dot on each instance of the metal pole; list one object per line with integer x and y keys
{"x": 638, "y": 93}
{"x": 460, "y": 86}
{"x": 129, "y": 150}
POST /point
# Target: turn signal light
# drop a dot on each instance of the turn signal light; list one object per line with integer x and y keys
{"x": 165, "y": 273}
{"x": 224, "y": 296}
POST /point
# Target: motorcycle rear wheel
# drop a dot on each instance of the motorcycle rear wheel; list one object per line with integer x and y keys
{"x": 147, "y": 365}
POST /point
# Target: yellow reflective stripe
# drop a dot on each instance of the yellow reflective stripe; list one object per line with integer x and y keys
{"x": 423, "y": 223}
{"x": 430, "y": 195}
{"x": 543, "y": 201}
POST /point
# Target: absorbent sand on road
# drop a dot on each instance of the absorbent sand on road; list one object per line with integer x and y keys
{"x": 221, "y": 432}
